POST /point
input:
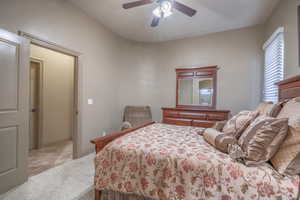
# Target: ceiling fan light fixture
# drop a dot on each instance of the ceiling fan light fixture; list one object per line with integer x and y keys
{"x": 164, "y": 10}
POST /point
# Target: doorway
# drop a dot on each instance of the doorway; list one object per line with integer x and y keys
{"x": 76, "y": 126}
{"x": 51, "y": 108}
{"x": 35, "y": 118}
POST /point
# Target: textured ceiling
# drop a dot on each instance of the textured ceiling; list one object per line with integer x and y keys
{"x": 212, "y": 16}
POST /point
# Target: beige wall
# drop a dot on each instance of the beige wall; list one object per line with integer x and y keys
{"x": 140, "y": 76}
{"x": 64, "y": 24}
{"x": 148, "y": 72}
{"x": 117, "y": 72}
{"x": 286, "y": 15}
{"x": 238, "y": 54}
{"x": 58, "y": 93}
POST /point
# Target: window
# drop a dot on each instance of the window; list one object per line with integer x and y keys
{"x": 274, "y": 63}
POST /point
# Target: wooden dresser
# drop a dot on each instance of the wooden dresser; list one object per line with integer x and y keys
{"x": 196, "y": 91}
{"x": 194, "y": 117}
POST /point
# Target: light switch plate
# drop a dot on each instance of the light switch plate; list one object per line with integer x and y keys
{"x": 90, "y": 101}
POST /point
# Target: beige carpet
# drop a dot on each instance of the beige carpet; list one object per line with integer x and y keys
{"x": 90, "y": 195}
{"x": 70, "y": 181}
{"x": 48, "y": 157}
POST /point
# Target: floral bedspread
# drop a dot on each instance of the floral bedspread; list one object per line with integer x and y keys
{"x": 174, "y": 162}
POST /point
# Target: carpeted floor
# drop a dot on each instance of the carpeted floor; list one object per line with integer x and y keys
{"x": 70, "y": 181}
{"x": 88, "y": 196}
{"x": 48, "y": 157}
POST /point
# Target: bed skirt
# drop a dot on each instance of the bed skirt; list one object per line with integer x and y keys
{"x": 112, "y": 195}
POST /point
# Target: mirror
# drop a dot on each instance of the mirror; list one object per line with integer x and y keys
{"x": 197, "y": 91}
{"x": 196, "y": 87}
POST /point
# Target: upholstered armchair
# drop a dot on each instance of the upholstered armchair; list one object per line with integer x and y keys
{"x": 136, "y": 116}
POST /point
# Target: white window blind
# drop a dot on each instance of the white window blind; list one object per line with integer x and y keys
{"x": 274, "y": 64}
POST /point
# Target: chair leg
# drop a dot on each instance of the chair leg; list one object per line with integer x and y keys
{"x": 97, "y": 194}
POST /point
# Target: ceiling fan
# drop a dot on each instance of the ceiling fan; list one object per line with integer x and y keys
{"x": 164, "y": 9}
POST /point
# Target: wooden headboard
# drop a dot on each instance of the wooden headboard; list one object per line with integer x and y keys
{"x": 289, "y": 88}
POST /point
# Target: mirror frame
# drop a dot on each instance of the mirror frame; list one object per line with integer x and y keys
{"x": 200, "y": 72}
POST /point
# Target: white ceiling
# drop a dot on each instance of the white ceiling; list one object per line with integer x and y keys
{"x": 212, "y": 16}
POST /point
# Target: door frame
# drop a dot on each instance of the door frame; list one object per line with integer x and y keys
{"x": 77, "y": 118}
{"x": 40, "y": 100}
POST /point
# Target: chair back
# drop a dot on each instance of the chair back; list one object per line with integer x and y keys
{"x": 137, "y": 115}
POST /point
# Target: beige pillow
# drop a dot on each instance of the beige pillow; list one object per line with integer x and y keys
{"x": 287, "y": 159}
{"x": 237, "y": 124}
{"x": 262, "y": 139}
{"x": 219, "y": 125}
{"x": 236, "y": 153}
{"x": 269, "y": 109}
{"x": 218, "y": 139}
{"x": 297, "y": 99}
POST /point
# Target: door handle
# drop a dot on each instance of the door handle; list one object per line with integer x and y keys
{"x": 33, "y": 110}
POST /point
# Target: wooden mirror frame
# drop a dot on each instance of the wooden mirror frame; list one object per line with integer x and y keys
{"x": 200, "y": 72}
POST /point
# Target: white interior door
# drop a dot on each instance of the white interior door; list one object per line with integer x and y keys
{"x": 14, "y": 109}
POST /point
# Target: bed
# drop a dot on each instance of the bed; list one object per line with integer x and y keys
{"x": 160, "y": 161}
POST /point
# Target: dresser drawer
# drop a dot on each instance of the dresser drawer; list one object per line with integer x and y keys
{"x": 190, "y": 115}
{"x": 176, "y": 121}
{"x": 193, "y": 117}
{"x": 203, "y": 123}
{"x": 170, "y": 113}
{"x": 216, "y": 116}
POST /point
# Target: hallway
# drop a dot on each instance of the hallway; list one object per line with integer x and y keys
{"x": 45, "y": 158}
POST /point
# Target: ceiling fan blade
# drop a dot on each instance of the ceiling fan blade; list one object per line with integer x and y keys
{"x": 136, "y": 3}
{"x": 184, "y": 9}
{"x": 155, "y": 22}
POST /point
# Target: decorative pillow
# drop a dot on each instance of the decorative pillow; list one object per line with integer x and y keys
{"x": 236, "y": 153}
{"x": 297, "y": 99}
{"x": 201, "y": 131}
{"x": 262, "y": 139}
{"x": 218, "y": 139}
{"x": 269, "y": 109}
{"x": 237, "y": 124}
{"x": 219, "y": 125}
{"x": 287, "y": 159}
